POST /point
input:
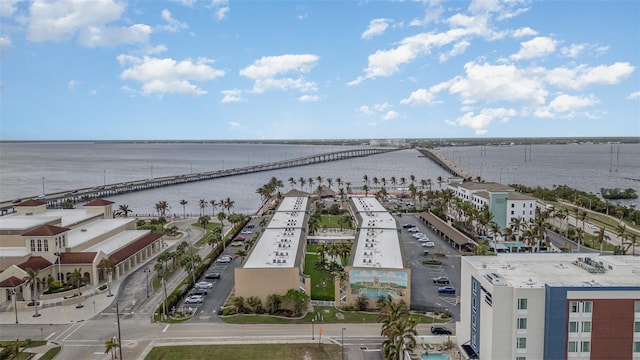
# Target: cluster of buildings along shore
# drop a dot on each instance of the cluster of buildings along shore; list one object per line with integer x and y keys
{"x": 513, "y": 306}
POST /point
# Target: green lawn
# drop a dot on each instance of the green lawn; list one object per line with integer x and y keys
{"x": 329, "y": 315}
{"x": 318, "y": 293}
{"x": 311, "y": 351}
{"x": 331, "y": 221}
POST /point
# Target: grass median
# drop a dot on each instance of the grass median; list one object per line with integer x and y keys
{"x": 309, "y": 351}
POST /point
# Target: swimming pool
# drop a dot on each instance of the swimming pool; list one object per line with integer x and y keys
{"x": 439, "y": 356}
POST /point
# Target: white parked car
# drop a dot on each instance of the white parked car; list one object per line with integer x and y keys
{"x": 418, "y": 235}
{"x": 194, "y": 299}
{"x": 204, "y": 285}
{"x": 429, "y": 244}
{"x": 424, "y": 239}
{"x": 413, "y": 230}
{"x": 246, "y": 232}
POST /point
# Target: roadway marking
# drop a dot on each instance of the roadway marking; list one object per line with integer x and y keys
{"x": 49, "y": 337}
{"x": 76, "y": 329}
{"x": 166, "y": 328}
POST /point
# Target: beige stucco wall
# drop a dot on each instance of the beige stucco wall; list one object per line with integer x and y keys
{"x": 31, "y": 210}
{"x": 264, "y": 282}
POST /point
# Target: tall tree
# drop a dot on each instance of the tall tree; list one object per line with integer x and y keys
{"x": 106, "y": 264}
{"x": 228, "y": 205}
{"x": 32, "y": 282}
{"x": 78, "y": 281}
{"x": 184, "y": 203}
{"x": 124, "y": 211}
{"x": 110, "y": 345}
{"x": 214, "y": 205}
{"x": 203, "y": 204}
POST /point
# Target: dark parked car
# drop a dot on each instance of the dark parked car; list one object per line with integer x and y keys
{"x": 213, "y": 275}
{"x": 440, "y": 330}
{"x": 446, "y": 290}
{"x": 407, "y": 226}
{"x": 442, "y": 280}
{"x": 201, "y": 292}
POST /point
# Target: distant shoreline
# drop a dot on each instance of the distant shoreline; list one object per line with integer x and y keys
{"x": 428, "y": 142}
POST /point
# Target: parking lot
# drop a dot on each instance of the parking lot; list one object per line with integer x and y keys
{"x": 424, "y": 292}
{"x": 220, "y": 287}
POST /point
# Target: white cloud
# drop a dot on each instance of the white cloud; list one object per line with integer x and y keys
{"x": 376, "y": 27}
{"x": 381, "y": 107}
{"x": 525, "y": 31}
{"x": 72, "y": 84}
{"x": 480, "y": 121}
{"x": 536, "y": 47}
{"x": 187, "y": 3}
{"x": 309, "y": 98}
{"x": 431, "y": 15}
{"x": 419, "y": 97}
{"x": 365, "y": 110}
{"x": 458, "y": 49}
{"x": 267, "y": 70}
{"x": 5, "y": 44}
{"x": 172, "y": 25}
{"x": 390, "y": 115}
{"x": 93, "y": 92}
{"x": 232, "y": 96}
{"x": 634, "y": 95}
{"x": 572, "y": 50}
{"x": 565, "y": 106}
{"x": 8, "y": 7}
{"x": 486, "y": 82}
{"x": 88, "y": 21}
{"x": 583, "y": 75}
{"x": 163, "y": 76}
{"x": 233, "y": 125}
{"x": 220, "y": 9}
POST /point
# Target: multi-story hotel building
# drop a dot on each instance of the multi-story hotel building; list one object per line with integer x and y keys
{"x": 550, "y": 306}
{"x": 276, "y": 262}
{"x": 503, "y": 201}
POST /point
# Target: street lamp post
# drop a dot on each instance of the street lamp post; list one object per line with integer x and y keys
{"x": 147, "y": 271}
{"x": 342, "y": 342}
{"x": 313, "y": 331}
{"x": 193, "y": 277}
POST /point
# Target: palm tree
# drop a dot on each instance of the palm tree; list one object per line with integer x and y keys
{"x": 124, "y": 211}
{"x": 273, "y": 303}
{"x": 365, "y": 179}
{"x": 321, "y": 265}
{"x": 310, "y": 181}
{"x": 77, "y": 279}
{"x": 242, "y": 253}
{"x": 329, "y": 182}
{"x": 184, "y": 202}
{"x": 228, "y": 205}
{"x": 106, "y": 264}
{"x": 302, "y": 182}
{"x": 203, "y": 204}
{"x": 204, "y": 221}
{"x": 601, "y": 236}
{"x": 579, "y": 237}
{"x": 214, "y": 204}
{"x": 319, "y": 178}
{"x": 32, "y": 282}
{"x": 110, "y": 345}
{"x": 237, "y": 303}
{"x": 162, "y": 207}
{"x": 292, "y": 182}
{"x": 398, "y": 328}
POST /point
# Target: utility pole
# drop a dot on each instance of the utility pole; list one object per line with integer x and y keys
{"x": 119, "y": 334}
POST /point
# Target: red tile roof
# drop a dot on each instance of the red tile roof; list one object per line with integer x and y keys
{"x": 99, "y": 202}
{"x": 77, "y": 257}
{"x": 32, "y": 202}
{"x": 46, "y": 230}
{"x": 10, "y": 282}
{"x": 36, "y": 263}
{"x": 134, "y": 247}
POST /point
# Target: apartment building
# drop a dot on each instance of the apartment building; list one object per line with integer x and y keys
{"x": 550, "y": 306}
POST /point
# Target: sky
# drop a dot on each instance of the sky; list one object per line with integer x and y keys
{"x": 225, "y": 70}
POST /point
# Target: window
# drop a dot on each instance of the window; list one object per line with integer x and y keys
{"x": 473, "y": 321}
{"x": 513, "y": 212}
{"x": 585, "y": 346}
{"x": 473, "y": 303}
{"x": 521, "y": 343}
{"x": 46, "y": 245}
{"x": 573, "y": 307}
{"x": 33, "y": 245}
{"x": 39, "y": 245}
{"x": 636, "y": 326}
{"x": 587, "y": 306}
{"x": 586, "y": 326}
{"x": 573, "y": 346}
{"x": 513, "y": 205}
{"x": 522, "y": 323}
{"x": 475, "y": 287}
{"x": 573, "y": 326}
{"x": 636, "y": 345}
{"x": 522, "y": 304}
{"x": 637, "y": 306}
{"x": 521, "y": 358}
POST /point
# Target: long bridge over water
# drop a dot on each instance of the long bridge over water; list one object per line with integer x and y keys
{"x": 55, "y": 200}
